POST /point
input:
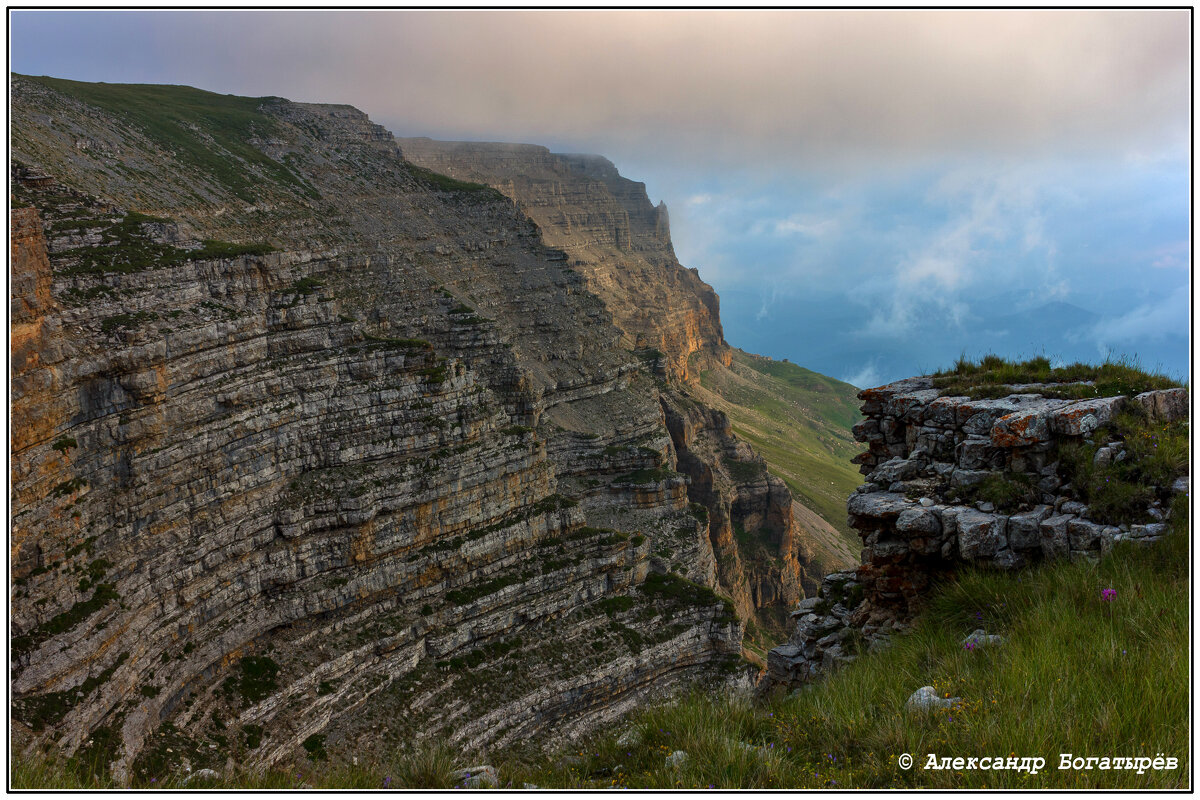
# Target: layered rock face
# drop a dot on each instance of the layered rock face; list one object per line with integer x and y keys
{"x": 919, "y": 518}
{"x": 398, "y": 478}
{"x": 610, "y": 232}
{"x": 620, "y": 243}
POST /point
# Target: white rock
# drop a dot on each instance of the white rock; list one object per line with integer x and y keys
{"x": 926, "y": 698}
{"x": 477, "y": 777}
{"x": 203, "y": 774}
{"x": 677, "y": 758}
{"x": 981, "y": 638}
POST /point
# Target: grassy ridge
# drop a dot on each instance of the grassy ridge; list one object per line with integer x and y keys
{"x": 992, "y": 375}
{"x": 799, "y": 421}
{"x": 205, "y": 130}
{"x": 1078, "y": 673}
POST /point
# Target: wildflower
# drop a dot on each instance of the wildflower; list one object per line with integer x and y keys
{"x": 1108, "y": 594}
{"x": 969, "y": 645}
{"x": 387, "y": 782}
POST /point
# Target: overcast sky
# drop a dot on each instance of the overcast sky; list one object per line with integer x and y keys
{"x": 913, "y": 169}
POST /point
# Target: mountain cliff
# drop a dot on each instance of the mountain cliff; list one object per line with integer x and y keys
{"x": 611, "y": 233}
{"x": 620, "y": 243}
{"x": 316, "y": 450}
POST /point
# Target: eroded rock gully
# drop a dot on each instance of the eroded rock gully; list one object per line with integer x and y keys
{"x": 919, "y": 522}
{"x": 400, "y": 478}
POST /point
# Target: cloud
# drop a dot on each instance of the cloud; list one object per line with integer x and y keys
{"x": 866, "y": 377}
{"x": 1148, "y": 322}
{"x": 767, "y": 301}
{"x": 986, "y": 211}
{"x": 1176, "y": 255}
{"x": 759, "y": 89}
{"x": 699, "y": 199}
{"x": 807, "y": 225}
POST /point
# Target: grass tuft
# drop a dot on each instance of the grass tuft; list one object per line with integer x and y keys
{"x": 988, "y": 377}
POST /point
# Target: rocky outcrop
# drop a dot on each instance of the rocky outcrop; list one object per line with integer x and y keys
{"x": 611, "y": 233}
{"x": 393, "y": 476}
{"x": 920, "y": 518}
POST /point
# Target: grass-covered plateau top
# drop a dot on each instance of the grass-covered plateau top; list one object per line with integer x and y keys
{"x": 993, "y": 376}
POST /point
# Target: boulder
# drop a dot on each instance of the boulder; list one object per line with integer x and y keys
{"x": 630, "y": 738}
{"x": 1164, "y": 405}
{"x": 927, "y": 699}
{"x": 483, "y": 776}
{"x": 981, "y": 638}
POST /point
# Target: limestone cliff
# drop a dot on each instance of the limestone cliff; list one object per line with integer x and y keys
{"x": 316, "y": 451}
{"x": 620, "y": 243}
{"x": 611, "y": 233}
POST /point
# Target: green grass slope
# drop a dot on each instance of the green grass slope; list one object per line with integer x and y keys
{"x": 800, "y": 422}
{"x": 208, "y": 131}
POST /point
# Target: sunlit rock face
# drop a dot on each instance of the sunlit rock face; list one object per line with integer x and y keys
{"x": 611, "y": 233}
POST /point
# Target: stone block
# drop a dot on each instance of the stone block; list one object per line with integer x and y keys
{"x": 1084, "y": 535}
{"x": 1021, "y": 429}
{"x": 918, "y": 521}
{"x": 980, "y": 536}
{"x": 1024, "y": 530}
{"x": 877, "y": 506}
{"x": 1056, "y": 542}
{"x": 1082, "y": 418}
{"x": 1164, "y": 405}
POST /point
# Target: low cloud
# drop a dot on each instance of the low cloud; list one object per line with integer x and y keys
{"x": 762, "y": 88}
{"x": 1148, "y": 322}
{"x": 866, "y": 377}
{"x": 986, "y": 212}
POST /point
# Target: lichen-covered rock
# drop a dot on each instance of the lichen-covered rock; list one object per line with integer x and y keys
{"x": 990, "y": 490}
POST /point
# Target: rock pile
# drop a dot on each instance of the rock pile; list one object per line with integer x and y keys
{"x": 916, "y": 515}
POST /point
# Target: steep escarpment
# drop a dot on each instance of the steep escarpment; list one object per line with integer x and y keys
{"x": 611, "y": 233}
{"x": 768, "y": 548}
{"x": 317, "y": 452}
{"x": 999, "y": 479}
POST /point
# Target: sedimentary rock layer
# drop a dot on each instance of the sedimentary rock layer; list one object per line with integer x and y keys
{"x": 396, "y": 478}
{"x": 610, "y": 232}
